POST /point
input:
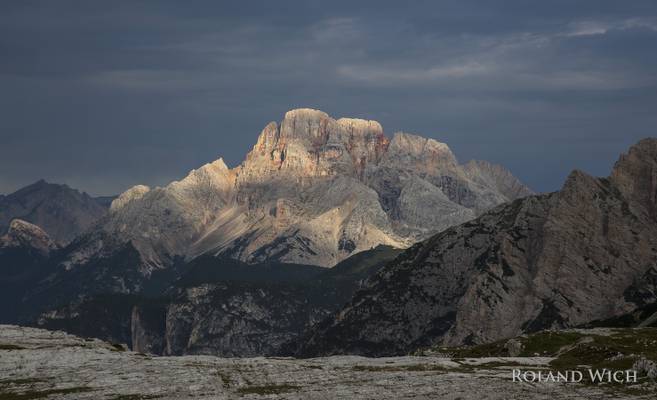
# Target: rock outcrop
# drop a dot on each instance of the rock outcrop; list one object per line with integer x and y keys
{"x": 24, "y": 235}
{"x": 585, "y": 253}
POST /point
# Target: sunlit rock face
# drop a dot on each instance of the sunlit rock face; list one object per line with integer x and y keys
{"x": 585, "y": 253}
{"x": 308, "y": 143}
{"x": 313, "y": 190}
{"x": 134, "y": 193}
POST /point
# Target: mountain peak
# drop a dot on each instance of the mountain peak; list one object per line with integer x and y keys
{"x": 40, "y": 185}
{"x": 635, "y": 173}
{"x": 305, "y": 113}
{"x": 413, "y": 152}
{"x": 309, "y": 143}
{"x": 212, "y": 168}
{"x": 361, "y": 126}
{"x": 134, "y": 193}
{"x": 418, "y": 144}
{"x": 62, "y": 211}
{"x": 484, "y": 172}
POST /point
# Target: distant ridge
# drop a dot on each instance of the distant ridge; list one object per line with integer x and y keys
{"x": 64, "y": 213}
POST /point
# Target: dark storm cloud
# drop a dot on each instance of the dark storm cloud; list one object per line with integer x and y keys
{"x": 104, "y": 95}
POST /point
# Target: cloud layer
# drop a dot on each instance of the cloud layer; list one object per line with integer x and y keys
{"x": 107, "y": 95}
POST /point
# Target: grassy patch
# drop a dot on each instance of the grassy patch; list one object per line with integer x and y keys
{"x": 498, "y": 364}
{"x": 34, "y": 394}
{"x": 400, "y": 368}
{"x": 117, "y": 347}
{"x": 494, "y": 349}
{"x": 225, "y": 379}
{"x": 617, "y": 351}
{"x": 268, "y": 389}
{"x": 548, "y": 343}
{"x": 545, "y": 344}
{"x": 4, "y": 346}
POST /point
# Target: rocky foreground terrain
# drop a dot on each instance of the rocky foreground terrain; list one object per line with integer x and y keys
{"x": 36, "y": 363}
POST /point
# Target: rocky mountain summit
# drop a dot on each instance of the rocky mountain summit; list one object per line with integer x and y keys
{"x": 62, "y": 212}
{"x": 313, "y": 190}
{"x": 585, "y": 253}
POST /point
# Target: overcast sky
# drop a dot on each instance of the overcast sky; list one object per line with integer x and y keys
{"x": 105, "y": 95}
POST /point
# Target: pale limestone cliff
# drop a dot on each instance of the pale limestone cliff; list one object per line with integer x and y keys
{"x": 312, "y": 190}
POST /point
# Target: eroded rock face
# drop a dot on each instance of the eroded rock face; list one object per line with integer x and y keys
{"x": 236, "y": 310}
{"x": 585, "y": 253}
{"x": 313, "y": 190}
{"x": 308, "y": 143}
{"x": 162, "y": 222}
{"x": 237, "y": 319}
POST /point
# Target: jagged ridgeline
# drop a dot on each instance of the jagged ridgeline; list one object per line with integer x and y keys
{"x": 585, "y": 255}
{"x": 313, "y": 192}
{"x": 230, "y": 261}
{"x": 238, "y": 251}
